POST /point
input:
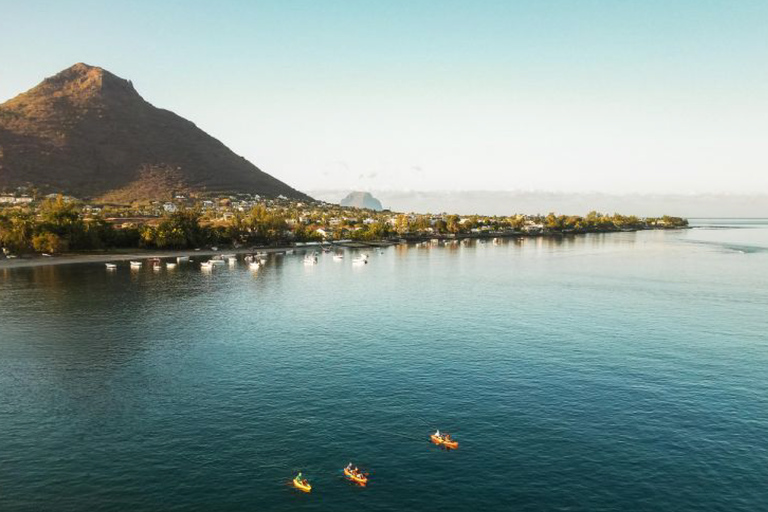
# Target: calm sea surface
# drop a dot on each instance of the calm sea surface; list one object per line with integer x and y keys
{"x": 604, "y": 372}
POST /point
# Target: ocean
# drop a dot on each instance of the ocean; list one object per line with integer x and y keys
{"x": 604, "y": 372}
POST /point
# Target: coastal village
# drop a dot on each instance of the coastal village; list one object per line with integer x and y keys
{"x": 28, "y": 223}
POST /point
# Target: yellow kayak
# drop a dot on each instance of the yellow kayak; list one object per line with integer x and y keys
{"x": 440, "y": 440}
{"x": 358, "y": 478}
{"x": 302, "y": 485}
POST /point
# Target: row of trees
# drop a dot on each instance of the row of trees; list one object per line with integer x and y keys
{"x": 58, "y": 226}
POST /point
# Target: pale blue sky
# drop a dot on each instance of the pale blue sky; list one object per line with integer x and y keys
{"x": 611, "y": 96}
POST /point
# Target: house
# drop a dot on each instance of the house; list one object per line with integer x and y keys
{"x": 324, "y": 232}
{"x": 170, "y": 208}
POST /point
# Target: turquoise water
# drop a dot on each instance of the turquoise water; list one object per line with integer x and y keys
{"x": 605, "y": 372}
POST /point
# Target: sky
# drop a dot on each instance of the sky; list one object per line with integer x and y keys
{"x": 615, "y": 97}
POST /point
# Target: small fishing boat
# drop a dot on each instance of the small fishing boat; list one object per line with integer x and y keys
{"x": 310, "y": 259}
{"x": 206, "y": 265}
{"x": 338, "y": 257}
{"x": 111, "y": 266}
{"x": 170, "y": 266}
{"x": 232, "y": 261}
{"x": 135, "y": 264}
{"x": 217, "y": 262}
{"x": 182, "y": 259}
{"x": 361, "y": 259}
{"x": 254, "y": 265}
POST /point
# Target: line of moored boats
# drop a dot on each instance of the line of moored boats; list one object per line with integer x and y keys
{"x": 254, "y": 261}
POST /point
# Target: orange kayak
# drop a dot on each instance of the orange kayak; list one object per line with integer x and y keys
{"x": 442, "y": 441}
{"x": 360, "y": 479}
{"x": 302, "y": 485}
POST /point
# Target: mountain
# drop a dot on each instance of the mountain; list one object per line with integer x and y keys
{"x": 88, "y": 133}
{"x": 361, "y": 200}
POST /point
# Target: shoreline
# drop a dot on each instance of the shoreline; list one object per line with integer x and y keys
{"x": 133, "y": 254}
{"x": 138, "y": 254}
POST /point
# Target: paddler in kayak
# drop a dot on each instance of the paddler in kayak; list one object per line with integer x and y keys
{"x": 444, "y": 439}
{"x": 301, "y": 483}
{"x": 354, "y": 474}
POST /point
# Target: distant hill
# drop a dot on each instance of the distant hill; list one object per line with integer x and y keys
{"x": 361, "y": 200}
{"x": 88, "y": 133}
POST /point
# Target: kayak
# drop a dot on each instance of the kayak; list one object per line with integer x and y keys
{"x": 302, "y": 486}
{"x": 360, "y": 479}
{"x": 440, "y": 440}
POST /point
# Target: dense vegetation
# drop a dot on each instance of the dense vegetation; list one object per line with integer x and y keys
{"x": 56, "y": 226}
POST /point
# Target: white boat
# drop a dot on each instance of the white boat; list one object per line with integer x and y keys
{"x": 360, "y": 260}
{"x": 182, "y": 259}
{"x": 170, "y": 265}
{"x": 111, "y": 266}
{"x": 217, "y": 262}
{"x": 289, "y": 251}
{"x": 310, "y": 259}
{"x": 206, "y": 265}
{"x": 232, "y": 261}
{"x": 254, "y": 265}
{"x": 135, "y": 264}
{"x": 338, "y": 257}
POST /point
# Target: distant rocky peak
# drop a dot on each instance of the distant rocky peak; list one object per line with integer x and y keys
{"x": 359, "y": 199}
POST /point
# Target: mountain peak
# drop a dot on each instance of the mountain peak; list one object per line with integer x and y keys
{"x": 86, "y": 132}
{"x": 79, "y": 84}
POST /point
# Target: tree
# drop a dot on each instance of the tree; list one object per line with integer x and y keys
{"x": 452, "y": 224}
{"x": 49, "y": 243}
